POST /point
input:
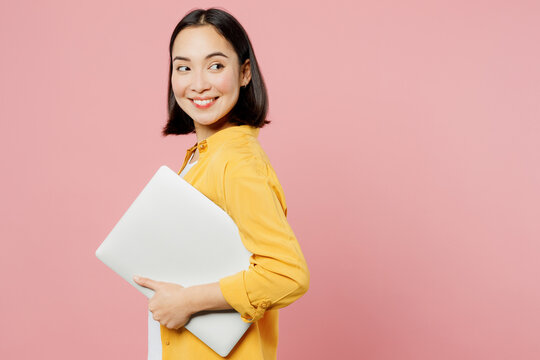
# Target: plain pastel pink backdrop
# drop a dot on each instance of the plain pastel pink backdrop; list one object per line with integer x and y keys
{"x": 406, "y": 136}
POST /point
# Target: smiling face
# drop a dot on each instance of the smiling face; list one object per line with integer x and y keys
{"x": 206, "y": 75}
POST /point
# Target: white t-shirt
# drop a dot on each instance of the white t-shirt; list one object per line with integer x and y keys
{"x": 154, "y": 330}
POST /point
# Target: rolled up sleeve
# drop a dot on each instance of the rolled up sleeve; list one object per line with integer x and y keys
{"x": 278, "y": 273}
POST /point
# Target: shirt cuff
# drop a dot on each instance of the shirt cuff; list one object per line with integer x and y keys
{"x": 234, "y": 291}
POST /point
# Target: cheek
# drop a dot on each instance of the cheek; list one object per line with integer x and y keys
{"x": 178, "y": 87}
{"x": 225, "y": 84}
{"x": 179, "y": 91}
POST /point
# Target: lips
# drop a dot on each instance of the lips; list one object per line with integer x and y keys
{"x": 203, "y": 103}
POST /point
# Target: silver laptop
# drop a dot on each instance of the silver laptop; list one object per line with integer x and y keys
{"x": 173, "y": 233}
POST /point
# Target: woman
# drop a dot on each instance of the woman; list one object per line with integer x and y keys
{"x": 217, "y": 91}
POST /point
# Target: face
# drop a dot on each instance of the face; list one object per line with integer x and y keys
{"x": 206, "y": 76}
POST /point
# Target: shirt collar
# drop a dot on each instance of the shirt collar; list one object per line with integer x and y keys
{"x": 222, "y": 136}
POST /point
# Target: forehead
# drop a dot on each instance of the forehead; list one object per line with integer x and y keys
{"x": 198, "y": 41}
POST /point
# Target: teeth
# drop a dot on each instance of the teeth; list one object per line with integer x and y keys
{"x": 203, "y": 102}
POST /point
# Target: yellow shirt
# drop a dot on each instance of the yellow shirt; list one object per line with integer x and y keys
{"x": 234, "y": 172}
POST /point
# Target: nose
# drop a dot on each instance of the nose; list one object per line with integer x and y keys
{"x": 200, "y": 81}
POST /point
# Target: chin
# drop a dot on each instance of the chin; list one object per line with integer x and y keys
{"x": 207, "y": 123}
{"x": 214, "y": 122}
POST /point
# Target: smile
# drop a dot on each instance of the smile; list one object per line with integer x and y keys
{"x": 203, "y": 104}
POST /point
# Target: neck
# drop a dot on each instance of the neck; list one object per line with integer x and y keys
{"x": 205, "y": 131}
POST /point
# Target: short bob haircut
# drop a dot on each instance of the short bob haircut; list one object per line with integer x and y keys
{"x": 252, "y": 105}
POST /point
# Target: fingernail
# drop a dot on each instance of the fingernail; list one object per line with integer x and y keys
{"x": 136, "y": 278}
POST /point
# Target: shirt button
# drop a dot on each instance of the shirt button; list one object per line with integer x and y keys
{"x": 167, "y": 342}
{"x": 264, "y": 305}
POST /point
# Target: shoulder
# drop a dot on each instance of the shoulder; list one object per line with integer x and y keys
{"x": 247, "y": 173}
{"x": 244, "y": 156}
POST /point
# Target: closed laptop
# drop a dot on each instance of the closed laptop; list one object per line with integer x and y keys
{"x": 173, "y": 233}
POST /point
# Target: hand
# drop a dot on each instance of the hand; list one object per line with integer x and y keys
{"x": 170, "y": 304}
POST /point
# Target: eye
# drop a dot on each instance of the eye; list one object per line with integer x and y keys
{"x": 182, "y": 68}
{"x": 213, "y": 66}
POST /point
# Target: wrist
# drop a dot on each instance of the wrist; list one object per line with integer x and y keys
{"x": 206, "y": 297}
{"x": 194, "y": 299}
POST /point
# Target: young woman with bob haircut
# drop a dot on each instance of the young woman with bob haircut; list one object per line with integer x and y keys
{"x": 216, "y": 91}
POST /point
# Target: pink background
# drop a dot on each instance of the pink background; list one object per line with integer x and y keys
{"x": 405, "y": 134}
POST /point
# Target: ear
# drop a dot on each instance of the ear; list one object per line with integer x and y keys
{"x": 245, "y": 73}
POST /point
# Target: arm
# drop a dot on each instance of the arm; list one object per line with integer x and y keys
{"x": 207, "y": 297}
{"x": 278, "y": 273}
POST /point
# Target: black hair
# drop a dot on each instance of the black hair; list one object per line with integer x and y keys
{"x": 252, "y": 105}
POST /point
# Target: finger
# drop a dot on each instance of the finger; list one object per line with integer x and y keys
{"x": 146, "y": 282}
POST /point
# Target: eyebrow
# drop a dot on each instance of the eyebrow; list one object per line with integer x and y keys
{"x": 217, "y": 53}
